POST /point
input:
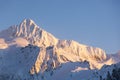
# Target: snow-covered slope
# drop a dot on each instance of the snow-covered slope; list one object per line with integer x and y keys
{"x": 16, "y": 62}
{"x": 3, "y": 45}
{"x": 35, "y": 54}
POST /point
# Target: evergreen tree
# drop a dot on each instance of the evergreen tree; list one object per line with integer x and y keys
{"x": 116, "y": 74}
{"x": 108, "y": 76}
{"x": 100, "y": 77}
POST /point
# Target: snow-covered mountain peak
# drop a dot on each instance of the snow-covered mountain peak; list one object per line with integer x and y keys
{"x": 28, "y": 20}
{"x": 28, "y": 23}
{"x": 30, "y": 31}
{"x": 51, "y": 55}
{"x": 34, "y": 35}
{"x": 27, "y": 27}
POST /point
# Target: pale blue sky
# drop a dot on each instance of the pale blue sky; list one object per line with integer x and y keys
{"x": 90, "y": 22}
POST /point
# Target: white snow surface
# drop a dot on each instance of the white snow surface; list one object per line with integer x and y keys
{"x": 29, "y": 52}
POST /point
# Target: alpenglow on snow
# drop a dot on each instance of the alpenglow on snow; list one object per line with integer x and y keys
{"x": 29, "y": 52}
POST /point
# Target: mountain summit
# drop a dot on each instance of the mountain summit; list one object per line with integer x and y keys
{"x": 31, "y": 51}
{"x": 27, "y": 28}
{"x": 35, "y": 35}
